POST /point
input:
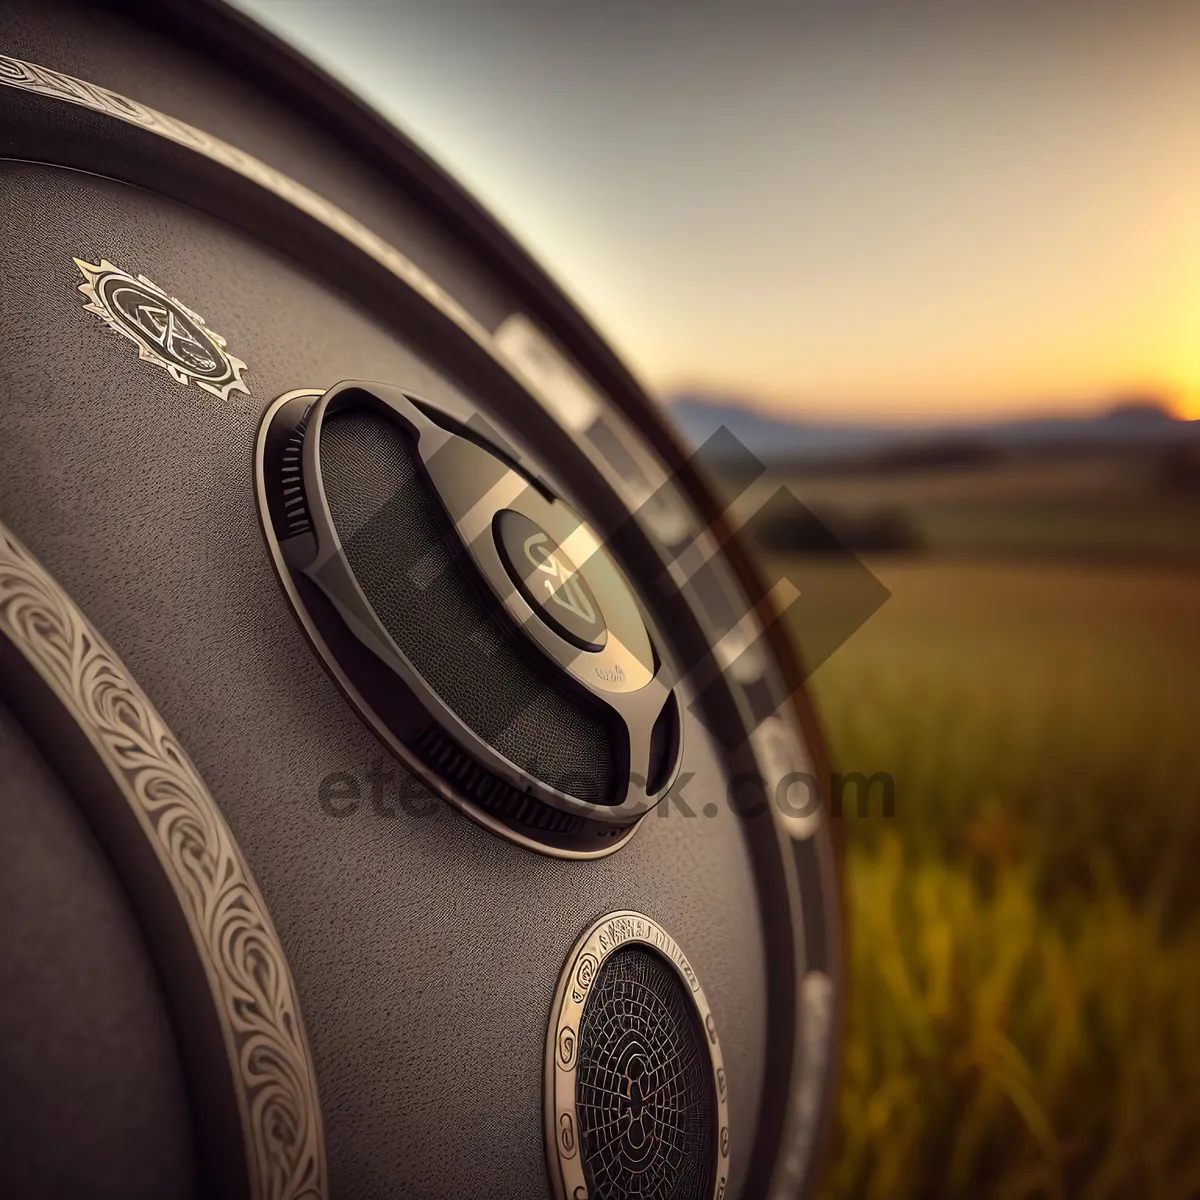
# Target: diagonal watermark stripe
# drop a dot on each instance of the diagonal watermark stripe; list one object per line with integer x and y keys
{"x": 822, "y": 598}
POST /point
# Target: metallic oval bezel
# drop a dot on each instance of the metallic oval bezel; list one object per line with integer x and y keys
{"x": 587, "y": 956}
{"x": 365, "y": 710}
{"x": 636, "y": 703}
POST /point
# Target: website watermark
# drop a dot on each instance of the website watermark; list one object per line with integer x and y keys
{"x": 386, "y": 790}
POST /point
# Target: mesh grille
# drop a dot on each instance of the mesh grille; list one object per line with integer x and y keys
{"x": 498, "y": 797}
{"x": 643, "y": 1089}
{"x": 385, "y": 518}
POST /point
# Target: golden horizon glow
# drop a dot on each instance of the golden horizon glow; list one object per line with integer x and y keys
{"x": 957, "y": 211}
{"x": 1129, "y": 329}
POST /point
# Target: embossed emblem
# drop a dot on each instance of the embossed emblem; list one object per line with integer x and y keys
{"x": 563, "y": 585}
{"x": 566, "y": 1135}
{"x": 165, "y": 331}
{"x": 584, "y": 974}
{"x": 566, "y": 1046}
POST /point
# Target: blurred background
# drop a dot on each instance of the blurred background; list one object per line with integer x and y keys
{"x": 938, "y": 266}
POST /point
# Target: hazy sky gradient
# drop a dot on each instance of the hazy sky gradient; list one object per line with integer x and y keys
{"x": 862, "y": 208}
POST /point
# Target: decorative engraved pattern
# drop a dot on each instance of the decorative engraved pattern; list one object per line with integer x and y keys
{"x": 644, "y": 1085}
{"x": 29, "y": 77}
{"x": 253, "y": 992}
{"x": 635, "y": 1093}
{"x": 166, "y": 332}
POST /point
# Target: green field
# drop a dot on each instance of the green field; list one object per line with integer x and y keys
{"x": 1116, "y": 504}
{"x": 1024, "y": 1013}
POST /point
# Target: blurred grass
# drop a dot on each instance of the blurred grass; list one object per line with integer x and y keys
{"x": 1116, "y": 502}
{"x": 1024, "y": 1011}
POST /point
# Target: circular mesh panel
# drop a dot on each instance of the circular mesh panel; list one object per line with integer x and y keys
{"x": 385, "y": 518}
{"x": 643, "y": 1087}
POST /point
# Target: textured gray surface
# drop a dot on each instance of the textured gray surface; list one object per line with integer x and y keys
{"x": 425, "y": 950}
{"x": 91, "y": 1088}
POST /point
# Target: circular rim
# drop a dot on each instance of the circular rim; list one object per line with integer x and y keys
{"x": 105, "y": 133}
{"x": 359, "y": 702}
{"x": 612, "y": 932}
{"x": 636, "y": 707}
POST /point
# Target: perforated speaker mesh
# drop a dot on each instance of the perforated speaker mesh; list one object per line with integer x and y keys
{"x": 386, "y": 520}
{"x": 644, "y": 1089}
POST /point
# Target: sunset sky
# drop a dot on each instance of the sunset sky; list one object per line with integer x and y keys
{"x": 859, "y": 209}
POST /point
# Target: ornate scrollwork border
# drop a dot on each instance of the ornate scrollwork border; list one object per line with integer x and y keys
{"x": 252, "y": 989}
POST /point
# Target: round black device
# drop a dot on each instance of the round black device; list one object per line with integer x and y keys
{"x": 471, "y": 616}
{"x": 401, "y": 757}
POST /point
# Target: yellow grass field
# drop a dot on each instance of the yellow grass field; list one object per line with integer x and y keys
{"x": 1024, "y": 1012}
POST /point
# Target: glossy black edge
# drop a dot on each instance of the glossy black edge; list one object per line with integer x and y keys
{"x": 491, "y": 440}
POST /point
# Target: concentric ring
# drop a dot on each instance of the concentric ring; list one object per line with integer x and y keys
{"x": 636, "y": 1101}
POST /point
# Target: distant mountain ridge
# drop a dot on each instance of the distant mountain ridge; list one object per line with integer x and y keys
{"x": 1134, "y": 421}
